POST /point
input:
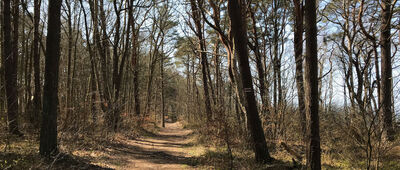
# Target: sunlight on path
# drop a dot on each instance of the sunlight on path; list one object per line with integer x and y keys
{"x": 165, "y": 149}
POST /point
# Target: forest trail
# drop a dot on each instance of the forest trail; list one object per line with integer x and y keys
{"x": 164, "y": 149}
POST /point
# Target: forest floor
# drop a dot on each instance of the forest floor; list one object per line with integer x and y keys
{"x": 167, "y": 148}
{"x": 149, "y": 147}
{"x": 146, "y": 147}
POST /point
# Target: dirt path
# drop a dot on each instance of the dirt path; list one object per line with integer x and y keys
{"x": 162, "y": 150}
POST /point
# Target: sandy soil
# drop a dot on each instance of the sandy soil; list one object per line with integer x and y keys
{"x": 162, "y": 150}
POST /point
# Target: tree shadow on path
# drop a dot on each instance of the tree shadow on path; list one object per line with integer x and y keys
{"x": 161, "y": 150}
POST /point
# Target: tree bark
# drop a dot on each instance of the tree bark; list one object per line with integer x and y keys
{"x": 203, "y": 56}
{"x": 2, "y": 80}
{"x": 14, "y": 71}
{"x": 311, "y": 80}
{"x": 298, "y": 50}
{"x": 99, "y": 48}
{"x": 92, "y": 67}
{"x": 113, "y": 116}
{"x": 259, "y": 64}
{"x": 240, "y": 39}
{"x": 135, "y": 59}
{"x": 10, "y": 61}
{"x": 386, "y": 71}
{"x": 48, "y": 131}
{"x": 37, "y": 99}
{"x": 28, "y": 67}
{"x": 218, "y": 77}
{"x": 69, "y": 64}
{"x": 104, "y": 51}
{"x": 162, "y": 92}
{"x": 135, "y": 72}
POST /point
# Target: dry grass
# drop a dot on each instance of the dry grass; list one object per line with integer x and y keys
{"x": 149, "y": 145}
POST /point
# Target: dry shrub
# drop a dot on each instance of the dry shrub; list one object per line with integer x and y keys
{"x": 353, "y": 139}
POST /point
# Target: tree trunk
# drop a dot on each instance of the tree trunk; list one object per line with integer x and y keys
{"x": 135, "y": 68}
{"x": 103, "y": 47}
{"x": 386, "y": 71}
{"x": 27, "y": 69}
{"x": 311, "y": 80}
{"x": 10, "y": 58}
{"x": 210, "y": 82}
{"x": 69, "y": 64}
{"x": 162, "y": 92}
{"x": 218, "y": 76}
{"x": 149, "y": 85}
{"x": 48, "y": 132}
{"x": 259, "y": 64}
{"x": 14, "y": 71}
{"x": 135, "y": 76}
{"x": 189, "y": 93}
{"x": 76, "y": 26}
{"x": 203, "y": 56}
{"x": 298, "y": 50}
{"x": 2, "y": 81}
{"x": 239, "y": 33}
{"x": 102, "y": 53}
{"x": 92, "y": 68}
{"x": 37, "y": 99}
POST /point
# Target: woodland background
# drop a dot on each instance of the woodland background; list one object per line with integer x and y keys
{"x": 127, "y": 64}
